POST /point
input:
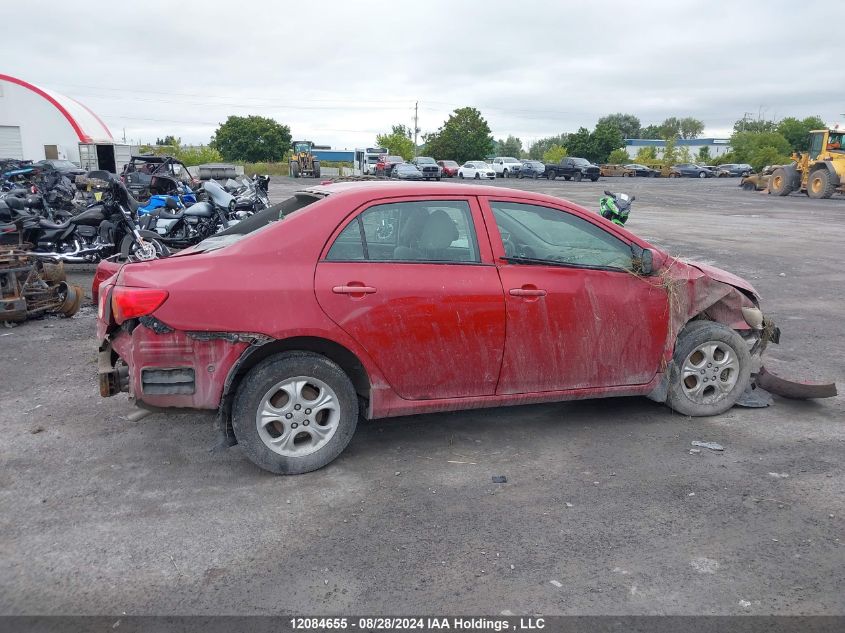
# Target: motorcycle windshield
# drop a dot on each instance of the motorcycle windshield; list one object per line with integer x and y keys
{"x": 219, "y": 195}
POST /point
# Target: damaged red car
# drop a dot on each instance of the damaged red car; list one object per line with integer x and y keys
{"x": 385, "y": 299}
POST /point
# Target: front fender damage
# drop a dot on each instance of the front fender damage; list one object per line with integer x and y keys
{"x": 699, "y": 291}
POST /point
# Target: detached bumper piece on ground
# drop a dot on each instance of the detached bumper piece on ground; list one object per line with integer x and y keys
{"x": 30, "y": 288}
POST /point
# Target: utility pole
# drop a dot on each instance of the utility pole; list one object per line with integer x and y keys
{"x": 416, "y": 125}
{"x": 745, "y": 116}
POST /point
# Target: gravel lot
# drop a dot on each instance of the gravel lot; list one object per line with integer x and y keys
{"x": 604, "y": 512}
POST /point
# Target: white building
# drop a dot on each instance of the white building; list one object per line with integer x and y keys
{"x": 37, "y": 123}
{"x": 717, "y": 146}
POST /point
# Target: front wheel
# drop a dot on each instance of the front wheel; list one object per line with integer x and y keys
{"x": 294, "y": 412}
{"x": 153, "y": 247}
{"x": 461, "y": 175}
{"x": 477, "y": 176}
{"x": 711, "y": 368}
{"x": 701, "y": 174}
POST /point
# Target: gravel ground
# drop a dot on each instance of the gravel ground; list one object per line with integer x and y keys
{"x": 604, "y": 511}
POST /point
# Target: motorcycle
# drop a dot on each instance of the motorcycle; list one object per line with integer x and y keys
{"x": 616, "y": 207}
{"x": 250, "y": 194}
{"x": 181, "y": 228}
{"x": 184, "y": 197}
{"x": 100, "y": 231}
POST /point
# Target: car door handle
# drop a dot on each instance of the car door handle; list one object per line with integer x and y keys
{"x": 353, "y": 290}
{"x": 527, "y": 291}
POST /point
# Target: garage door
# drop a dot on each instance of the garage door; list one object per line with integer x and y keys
{"x": 10, "y": 142}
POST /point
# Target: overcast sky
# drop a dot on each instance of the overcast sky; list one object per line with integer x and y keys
{"x": 340, "y": 72}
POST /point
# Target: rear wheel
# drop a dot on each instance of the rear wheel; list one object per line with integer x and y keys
{"x": 294, "y": 413}
{"x": 577, "y": 176}
{"x": 748, "y": 186}
{"x": 710, "y": 371}
{"x": 477, "y": 176}
{"x": 461, "y": 175}
{"x": 552, "y": 175}
{"x": 820, "y": 184}
{"x": 781, "y": 182}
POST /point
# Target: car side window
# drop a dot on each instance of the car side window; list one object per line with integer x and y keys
{"x": 533, "y": 232}
{"x": 427, "y": 231}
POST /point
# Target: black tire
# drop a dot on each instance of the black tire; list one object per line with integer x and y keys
{"x": 505, "y": 174}
{"x": 520, "y": 176}
{"x": 594, "y": 178}
{"x": 551, "y": 175}
{"x": 748, "y": 186}
{"x": 781, "y": 182}
{"x": 437, "y": 179}
{"x": 461, "y": 175}
{"x": 695, "y": 335}
{"x": 261, "y": 379}
{"x": 820, "y": 184}
{"x": 477, "y": 176}
{"x": 577, "y": 176}
{"x": 294, "y": 170}
{"x": 702, "y": 174}
{"x": 567, "y": 178}
{"x": 536, "y": 175}
{"x": 317, "y": 172}
{"x": 128, "y": 247}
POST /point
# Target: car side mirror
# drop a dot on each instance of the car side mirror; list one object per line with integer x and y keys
{"x": 642, "y": 260}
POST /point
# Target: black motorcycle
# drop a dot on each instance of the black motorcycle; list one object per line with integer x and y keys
{"x": 181, "y": 228}
{"x": 100, "y": 231}
{"x": 250, "y": 193}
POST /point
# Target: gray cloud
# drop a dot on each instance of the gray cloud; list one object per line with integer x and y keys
{"x": 339, "y": 72}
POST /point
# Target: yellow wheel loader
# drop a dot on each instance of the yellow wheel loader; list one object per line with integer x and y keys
{"x": 819, "y": 173}
{"x": 302, "y": 161}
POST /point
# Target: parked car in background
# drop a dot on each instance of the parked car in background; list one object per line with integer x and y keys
{"x": 758, "y": 182}
{"x": 397, "y": 299}
{"x": 573, "y": 168}
{"x": 406, "y": 171}
{"x": 690, "y": 170}
{"x": 643, "y": 171}
{"x": 448, "y": 168}
{"x": 531, "y": 169}
{"x": 734, "y": 170}
{"x": 506, "y": 166}
{"x": 616, "y": 170}
{"x": 385, "y": 165}
{"x": 428, "y": 166}
{"x": 476, "y": 169}
{"x": 64, "y": 167}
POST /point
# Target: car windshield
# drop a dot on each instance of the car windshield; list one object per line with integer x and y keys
{"x": 395, "y": 159}
{"x": 59, "y": 164}
{"x": 425, "y": 160}
{"x": 580, "y": 161}
{"x": 532, "y": 163}
{"x": 450, "y": 163}
{"x": 405, "y": 168}
{"x": 509, "y": 160}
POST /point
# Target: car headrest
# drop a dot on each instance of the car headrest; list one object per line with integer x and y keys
{"x": 439, "y": 231}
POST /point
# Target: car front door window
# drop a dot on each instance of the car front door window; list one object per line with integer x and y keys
{"x": 532, "y": 232}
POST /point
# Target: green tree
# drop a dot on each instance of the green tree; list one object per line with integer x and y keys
{"x": 646, "y": 154}
{"x": 750, "y": 125}
{"x": 744, "y": 145}
{"x": 691, "y": 127}
{"x": 627, "y": 124}
{"x": 703, "y": 156}
{"x": 603, "y": 140}
{"x": 251, "y": 139}
{"x": 618, "y": 157}
{"x": 684, "y": 154}
{"x": 198, "y": 155}
{"x": 169, "y": 140}
{"x": 651, "y": 132}
{"x": 397, "y": 142}
{"x": 511, "y": 146}
{"x": 797, "y": 132}
{"x": 670, "y": 128}
{"x": 670, "y": 153}
{"x": 554, "y": 154}
{"x": 464, "y": 136}
{"x": 579, "y": 144}
{"x": 540, "y": 146}
{"x": 767, "y": 155}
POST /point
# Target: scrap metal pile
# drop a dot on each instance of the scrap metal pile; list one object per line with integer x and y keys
{"x": 30, "y": 288}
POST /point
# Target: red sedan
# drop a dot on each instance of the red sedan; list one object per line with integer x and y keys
{"x": 389, "y": 299}
{"x": 449, "y": 168}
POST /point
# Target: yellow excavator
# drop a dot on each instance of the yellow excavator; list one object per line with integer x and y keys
{"x": 302, "y": 161}
{"x": 819, "y": 172}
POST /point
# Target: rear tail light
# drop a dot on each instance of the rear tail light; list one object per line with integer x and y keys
{"x": 129, "y": 303}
